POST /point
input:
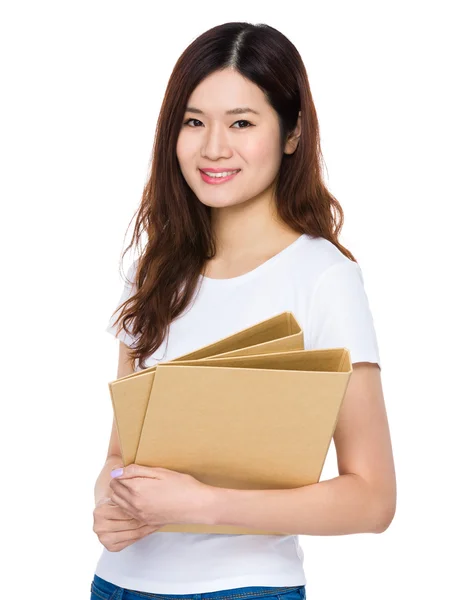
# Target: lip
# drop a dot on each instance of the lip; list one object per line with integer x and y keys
{"x": 217, "y": 180}
{"x": 218, "y": 170}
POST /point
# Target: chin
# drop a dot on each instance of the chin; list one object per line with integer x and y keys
{"x": 217, "y": 203}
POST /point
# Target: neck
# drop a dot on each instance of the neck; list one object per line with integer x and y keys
{"x": 252, "y": 227}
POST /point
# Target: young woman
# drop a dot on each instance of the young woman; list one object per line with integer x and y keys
{"x": 240, "y": 227}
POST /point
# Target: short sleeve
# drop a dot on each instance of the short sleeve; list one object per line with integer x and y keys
{"x": 127, "y": 292}
{"x": 340, "y": 314}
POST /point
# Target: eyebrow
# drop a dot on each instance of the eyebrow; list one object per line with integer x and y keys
{"x": 234, "y": 111}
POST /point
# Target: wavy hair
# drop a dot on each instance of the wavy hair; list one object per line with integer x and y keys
{"x": 178, "y": 226}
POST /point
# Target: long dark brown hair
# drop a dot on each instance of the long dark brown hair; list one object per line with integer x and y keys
{"x": 177, "y": 225}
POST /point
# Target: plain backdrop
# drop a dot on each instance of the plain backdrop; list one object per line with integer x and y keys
{"x": 82, "y": 84}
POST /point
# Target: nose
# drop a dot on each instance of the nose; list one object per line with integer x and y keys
{"x": 216, "y": 143}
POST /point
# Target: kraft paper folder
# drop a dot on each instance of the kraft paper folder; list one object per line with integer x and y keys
{"x": 251, "y": 411}
{"x": 130, "y": 394}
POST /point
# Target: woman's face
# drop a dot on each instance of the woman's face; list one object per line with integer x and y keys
{"x": 216, "y": 140}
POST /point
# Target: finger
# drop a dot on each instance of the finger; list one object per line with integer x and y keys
{"x": 123, "y": 503}
{"x": 113, "y": 512}
{"x": 134, "y": 470}
{"x": 115, "y": 525}
{"x": 132, "y": 534}
{"x": 114, "y": 539}
{"x": 121, "y": 489}
{"x": 143, "y": 532}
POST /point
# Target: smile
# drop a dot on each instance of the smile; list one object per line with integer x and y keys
{"x": 218, "y": 178}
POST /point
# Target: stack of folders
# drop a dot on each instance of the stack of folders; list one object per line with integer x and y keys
{"x": 251, "y": 411}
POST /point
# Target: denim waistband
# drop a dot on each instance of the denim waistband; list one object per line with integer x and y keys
{"x": 109, "y": 591}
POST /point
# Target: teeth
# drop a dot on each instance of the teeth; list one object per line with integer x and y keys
{"x": 221, "y": 174}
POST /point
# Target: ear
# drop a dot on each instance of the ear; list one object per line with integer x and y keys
{"x": 293, "y": 139}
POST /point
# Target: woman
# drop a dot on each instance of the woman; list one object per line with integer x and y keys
{"x": 240, "y": 227}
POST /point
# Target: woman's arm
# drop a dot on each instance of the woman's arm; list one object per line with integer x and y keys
{"x": 361, "y": 500}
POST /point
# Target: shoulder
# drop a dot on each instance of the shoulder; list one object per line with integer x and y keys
{"x": 322, "y": 258}
{"x": 339, "y": 312}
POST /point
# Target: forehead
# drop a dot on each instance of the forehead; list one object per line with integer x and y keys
{"x": 223, "y": 91}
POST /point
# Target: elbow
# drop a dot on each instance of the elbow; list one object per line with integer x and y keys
{"x": 382, "y": 503}
{"x": 383, "y": 516}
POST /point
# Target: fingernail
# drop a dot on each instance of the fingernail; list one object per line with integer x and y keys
{"x": 116, "y": 472}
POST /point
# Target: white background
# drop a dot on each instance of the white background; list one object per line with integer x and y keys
{"x": 82, "y": 86}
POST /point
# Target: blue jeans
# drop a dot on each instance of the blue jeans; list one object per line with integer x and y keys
{"x": 103, "y": 590}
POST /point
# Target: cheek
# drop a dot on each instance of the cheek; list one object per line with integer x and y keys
{"x": 184, "y": 148}
{"x": 263, "y": 154}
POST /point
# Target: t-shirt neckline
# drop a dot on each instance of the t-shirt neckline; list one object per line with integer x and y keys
{"x": 257, "y": 270}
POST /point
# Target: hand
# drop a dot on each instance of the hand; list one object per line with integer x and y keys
{"x": 115, "y": 528}
{"x": 157, "y": 496}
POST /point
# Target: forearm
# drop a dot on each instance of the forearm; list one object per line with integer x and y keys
{"x": 102, "y": 488}
{"x": 339, "y": 506}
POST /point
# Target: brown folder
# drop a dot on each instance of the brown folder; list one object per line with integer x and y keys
{"x": 130, "y": 394}
{"x": 237, "y": 419}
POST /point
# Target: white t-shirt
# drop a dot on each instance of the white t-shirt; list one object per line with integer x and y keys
{"x": 325, "y": 291}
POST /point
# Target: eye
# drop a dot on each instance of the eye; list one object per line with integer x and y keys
{"x": 191, "y": 119}
{"x": 244, "y": 121}
{"x": 240, "y": 121}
